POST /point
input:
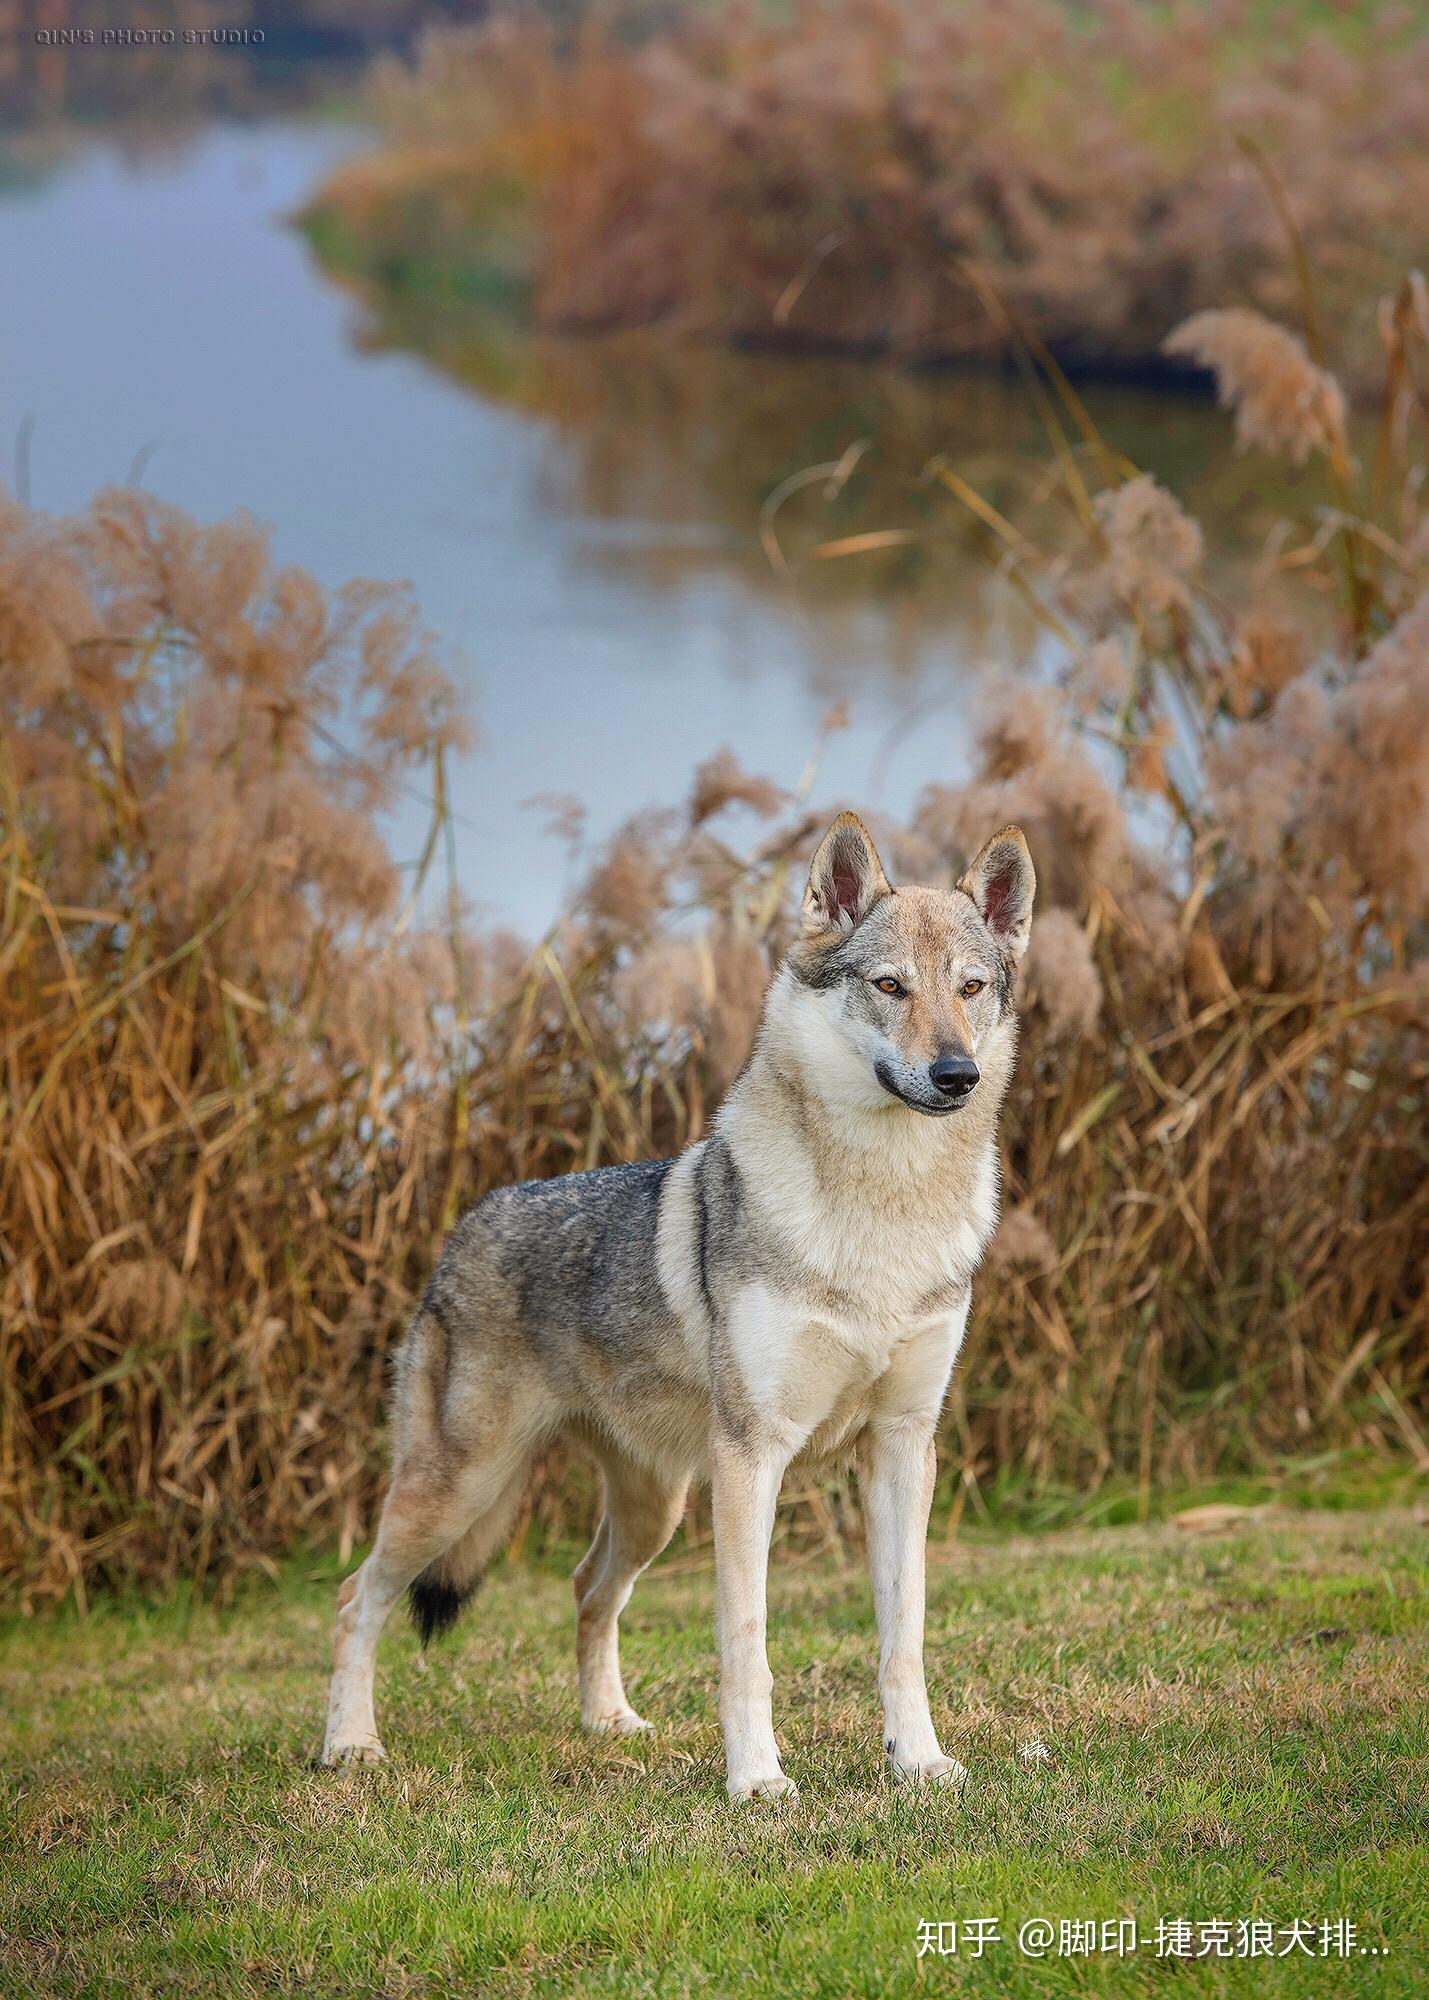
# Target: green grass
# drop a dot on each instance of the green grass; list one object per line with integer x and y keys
{"x": 1235, "y": 1725}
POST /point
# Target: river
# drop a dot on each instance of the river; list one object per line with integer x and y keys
{"x": 581, "y": 524}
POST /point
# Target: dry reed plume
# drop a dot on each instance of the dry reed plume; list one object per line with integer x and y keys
{"x": 245, "y": 1088}
{"x": 828, "y": 176}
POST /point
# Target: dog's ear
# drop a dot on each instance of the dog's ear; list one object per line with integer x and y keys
{"x": 1002, "y": 882}
{"x": 846, "y": 878}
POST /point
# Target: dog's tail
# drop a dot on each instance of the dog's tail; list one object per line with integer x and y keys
{"x": 444, "y": 1586}
{"x": 436, "y": 1597}
{"x": 497, "y": 1470}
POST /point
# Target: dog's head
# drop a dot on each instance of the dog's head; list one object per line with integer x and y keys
{"x": 906, "y": 994}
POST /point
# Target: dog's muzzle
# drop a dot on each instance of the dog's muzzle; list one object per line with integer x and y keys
{"x": 939, "y": 1100}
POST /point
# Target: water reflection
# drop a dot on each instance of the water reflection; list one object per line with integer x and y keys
{"x": 669, "y": 453}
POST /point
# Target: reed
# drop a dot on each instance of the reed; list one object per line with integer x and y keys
{"x": 250, "y": 1075}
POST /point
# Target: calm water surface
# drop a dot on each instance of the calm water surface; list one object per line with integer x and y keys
{"x": 580, "y": 523}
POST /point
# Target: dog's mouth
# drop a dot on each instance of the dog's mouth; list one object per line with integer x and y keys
{"x": 937, "y": 1107}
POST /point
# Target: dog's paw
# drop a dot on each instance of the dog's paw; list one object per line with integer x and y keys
{"x": 776, "y": 1786}
{"x": 344, "y": 1755}
{"x": 938, "y": 1770}
{"x": 625, "y": 1722}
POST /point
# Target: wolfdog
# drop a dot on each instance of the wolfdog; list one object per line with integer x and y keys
{"x": 791, "y": 1290}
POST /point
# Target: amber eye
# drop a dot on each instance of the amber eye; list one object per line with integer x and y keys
{"x": 972, "y": 986}
{"x": 889, "y": 985}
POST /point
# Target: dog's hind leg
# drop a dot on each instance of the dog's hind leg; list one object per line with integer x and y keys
{"x": 642, "y": 1511}
{"x": 430, "y": 1520}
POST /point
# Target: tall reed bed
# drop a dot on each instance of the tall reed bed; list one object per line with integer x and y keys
{"x": 822, "y": 174}
{"x": 247, "y": 1082}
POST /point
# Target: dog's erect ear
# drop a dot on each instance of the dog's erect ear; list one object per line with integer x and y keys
{"x": 846, "y": 878}
{"x": 1002, "y": 882}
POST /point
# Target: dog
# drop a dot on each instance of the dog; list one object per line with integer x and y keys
{"x": 790, "y": 1291}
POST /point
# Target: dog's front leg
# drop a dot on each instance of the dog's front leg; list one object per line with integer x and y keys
{"x": 745, "y": 1483}
{"x": 899, "y": 1469}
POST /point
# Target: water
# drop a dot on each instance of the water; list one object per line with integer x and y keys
{"x": 580, "y": 523}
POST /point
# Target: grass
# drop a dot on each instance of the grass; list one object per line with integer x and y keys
{"x": 1235, "y": 1726}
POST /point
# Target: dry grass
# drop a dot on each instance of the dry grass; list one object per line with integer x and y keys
{"x": 245, "y": 1088}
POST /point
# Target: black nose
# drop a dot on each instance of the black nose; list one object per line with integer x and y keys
{"x": 954, "y": 1076}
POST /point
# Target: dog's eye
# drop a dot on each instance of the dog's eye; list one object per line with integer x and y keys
{"x": 972, "y": 986}
{"x": 889, "y": 984}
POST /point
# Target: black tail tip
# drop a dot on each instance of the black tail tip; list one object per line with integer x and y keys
{"x": 436, "y": 1606}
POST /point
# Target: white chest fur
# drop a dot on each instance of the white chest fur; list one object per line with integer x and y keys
{"x": 862, "y": 1297}
{"x": 879, "y": 1233}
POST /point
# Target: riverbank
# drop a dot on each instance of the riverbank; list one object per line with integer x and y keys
{"x": 887, "y": 178}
